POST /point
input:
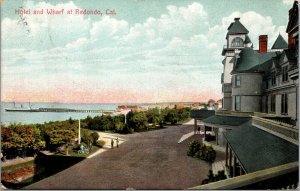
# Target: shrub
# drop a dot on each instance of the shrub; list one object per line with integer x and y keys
{"x": 194, "y": 147}
{"x": 214, "y": 177}
{"x": 201, "y": 151}
{"x": 95, "y": 137}
{"x": 86, "y": 137}
{"x": 100, "y": 143}
{"x": 210, "y": 154}
{"x": 119, "y": 126}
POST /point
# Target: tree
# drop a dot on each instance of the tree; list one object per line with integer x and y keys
{"x": 130, "y": 124}
{"x": 172, "y": 116}
{"x": 71, "y": 121}
{"x": 140, "y": 120}
{"x": 154, "y": 116}
{"x": 118, "y": 122}
{"x": 17, "y": 139}
{"x": 95, "y": 136}
{"x": 87, "y": 138}
{"x": 60, "y": 133}
{"x": 184, "y": 114}
{"x": 136, "y": 120}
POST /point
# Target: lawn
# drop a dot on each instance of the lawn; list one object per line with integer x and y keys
{"x": 14, "y": 167}
{"x": 74, "y": 153}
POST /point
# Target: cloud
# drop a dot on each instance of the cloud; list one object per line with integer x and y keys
{"x": 44, "y": 31}
{"x": 179, "y": 22}
{"x": 175, "y": 55}
{"x": 256, "y": 24}
{"x": 288, "y": 2}
{"x": 110, "y": 27}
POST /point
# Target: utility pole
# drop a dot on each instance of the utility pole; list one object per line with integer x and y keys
{"x": 125, "y": 117}
{"x": 79, "y": 136}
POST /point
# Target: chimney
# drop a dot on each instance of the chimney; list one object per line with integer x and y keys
{"x": 291, "y": 41}
{"x": 263, "y": 43}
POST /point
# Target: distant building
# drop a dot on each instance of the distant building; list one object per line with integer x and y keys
{"x": 179, "y": 106}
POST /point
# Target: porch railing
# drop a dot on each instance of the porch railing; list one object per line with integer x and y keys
{"x": 234, "y": 113}
{"x": 279, "y": 177}
{"x": 280, "y": 128}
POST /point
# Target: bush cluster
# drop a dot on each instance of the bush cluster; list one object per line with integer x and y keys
{"x": 26, "y": 139}
{"x": 201, "y": 151}
{"x": 137, "y": 121}
{"x": 214, "y": 177}
{"x": 105, "y": 123}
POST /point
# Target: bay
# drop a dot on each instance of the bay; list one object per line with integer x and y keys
{"x": 41, "y": 117}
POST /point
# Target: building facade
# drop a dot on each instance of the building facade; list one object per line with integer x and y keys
{"x": 263, "y": 80}
{"x": 236, "y": 36}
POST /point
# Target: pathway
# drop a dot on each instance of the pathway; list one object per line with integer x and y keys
{"x": 218, "y": 166}
{"x": 16, "y": 161}
{"x": 107, "y": 138}
{"x": 147, "y": 160}
{"x": 186, "y": 136}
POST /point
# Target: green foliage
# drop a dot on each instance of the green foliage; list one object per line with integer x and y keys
{"x": 153, "y": 116}
{"x": 214, "y": 177}
{"x": 71, "y": 121}
{"x": 139, "y": 120}
{"x": 184, "y": 114}
{"x": 173, "y": 116}
{"x": 106, "y": 123}
{"x": 136, "y": 121}
{"x": 194, "y": 147}
{"x": 87, "y": 137}
{"x": 95, "y": 136}
{"x": 201, "y": 151}
{"x": 25, "y": 138}
{"x": 60, "y": 133}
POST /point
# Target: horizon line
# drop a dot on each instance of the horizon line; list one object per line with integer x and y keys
{"x": 57, "y": 102}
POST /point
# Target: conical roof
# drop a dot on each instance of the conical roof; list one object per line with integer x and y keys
{"x": 237, "y": 28}
{"x": 280, "y": 43}
{"x": 249, "y": 58}
{"x": 247, "y": 40}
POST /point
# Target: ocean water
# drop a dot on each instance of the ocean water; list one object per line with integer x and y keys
{"x": 41, "y": 117}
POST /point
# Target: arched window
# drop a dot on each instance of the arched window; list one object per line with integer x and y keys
{"x": 237, "y": 42}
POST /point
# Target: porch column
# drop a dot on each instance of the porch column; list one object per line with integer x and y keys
{"x": 226, "y": 155}
{"x": 230, "y": 160}
{"x": 217, "y": 136}
{"x": 234, "y": 165}
{"x": 240, "y": 169}
{"x": 195, "y": 126}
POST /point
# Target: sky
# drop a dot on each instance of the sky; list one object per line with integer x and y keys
{"x": 148, "y": 51}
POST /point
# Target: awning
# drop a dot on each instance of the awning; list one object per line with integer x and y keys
{"x": 257, "y": 150}
{"x": 226, "y": 120}
{"x": 202, "y": 113}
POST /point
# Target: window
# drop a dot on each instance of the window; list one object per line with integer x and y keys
{"x": 273, "y": 103}
{"x": 267, "y": 84}
{"x": 237, "y": 42}
{"x": 284, "y": 104}
{"x": 285, "y": 73}
{"x": 273, "y": 78}
{"x": 237, "y": 80}
{"x": 237, "y": 103}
